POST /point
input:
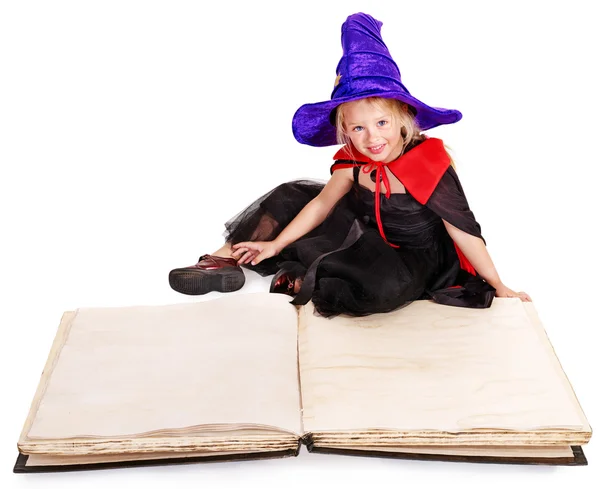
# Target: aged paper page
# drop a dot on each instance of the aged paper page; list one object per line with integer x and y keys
{"x": 432, "y": 367}
{"x": 223, "y": 364}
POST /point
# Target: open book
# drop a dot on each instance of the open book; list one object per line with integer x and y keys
{"x": 250, "y": 376}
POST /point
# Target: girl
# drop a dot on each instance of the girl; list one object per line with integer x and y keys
{"x": 392, "y": 225}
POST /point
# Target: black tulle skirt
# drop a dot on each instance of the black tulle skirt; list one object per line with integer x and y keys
{"x": 348, "y": 267}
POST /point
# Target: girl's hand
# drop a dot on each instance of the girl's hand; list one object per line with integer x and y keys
{"x": 254, "y": 251}
{"x": 503, "y": 291}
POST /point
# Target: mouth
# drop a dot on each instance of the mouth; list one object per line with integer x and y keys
{"x": 376, "y": 149}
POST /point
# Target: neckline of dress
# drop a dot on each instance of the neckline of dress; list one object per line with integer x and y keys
{"x": 362, "y": 187}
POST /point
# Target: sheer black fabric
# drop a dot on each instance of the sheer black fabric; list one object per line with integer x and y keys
{"x": 349, "y": 267}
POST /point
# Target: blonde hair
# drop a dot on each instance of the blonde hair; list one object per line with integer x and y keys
{"x": 401, "y": 115}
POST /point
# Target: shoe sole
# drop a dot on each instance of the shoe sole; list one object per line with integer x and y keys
{"x": 198, "y": 282}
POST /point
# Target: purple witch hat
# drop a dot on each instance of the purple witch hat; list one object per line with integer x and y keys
{"x": 365, "y": 70}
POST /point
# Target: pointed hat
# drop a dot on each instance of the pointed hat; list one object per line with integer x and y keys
{"x": 365, "y": 70}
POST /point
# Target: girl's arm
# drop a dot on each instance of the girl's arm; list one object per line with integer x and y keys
{"x": 476, "y": 252}
{"x": 313, "y": 214}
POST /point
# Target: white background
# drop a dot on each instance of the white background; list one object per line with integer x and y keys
{"x": 130, "y": 131}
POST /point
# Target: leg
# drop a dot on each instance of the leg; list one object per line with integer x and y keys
{"x": 219, "y": 271}
{"x": 265, "y": 228}
{"x": 224, "y": 251}
{"x": 261, "y": 221}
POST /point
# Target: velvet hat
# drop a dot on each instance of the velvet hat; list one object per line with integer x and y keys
{"x": 365, "y": 70}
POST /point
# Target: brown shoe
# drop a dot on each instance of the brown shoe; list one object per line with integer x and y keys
{"x": 211, "y": 273}
{"x": 284, "y": 282}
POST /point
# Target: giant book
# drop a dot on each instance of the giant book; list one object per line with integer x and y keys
{"x": 251, "y": 376}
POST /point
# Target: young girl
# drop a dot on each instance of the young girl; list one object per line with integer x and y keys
{"x": 392, "y": 225}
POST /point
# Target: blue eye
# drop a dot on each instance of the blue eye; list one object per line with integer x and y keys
{"x": 358, "y": 129}
{"x": 382, "y": 123}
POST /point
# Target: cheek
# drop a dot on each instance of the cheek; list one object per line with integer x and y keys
{"x": 393, "y": 133}
{"x": 355, "y": 137}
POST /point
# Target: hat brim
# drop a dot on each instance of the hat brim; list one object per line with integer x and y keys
{"x": 311, "y": 123}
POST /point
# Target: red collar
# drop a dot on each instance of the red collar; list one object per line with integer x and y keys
{"x": 419, "y": 169}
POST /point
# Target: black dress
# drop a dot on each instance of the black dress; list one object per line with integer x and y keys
{"x": 348, "y": 266}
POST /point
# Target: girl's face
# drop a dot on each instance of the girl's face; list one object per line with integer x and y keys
{"x": 373, "y": 130}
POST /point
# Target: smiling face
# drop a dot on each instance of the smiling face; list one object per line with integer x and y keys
{"x": 374, "y": 128}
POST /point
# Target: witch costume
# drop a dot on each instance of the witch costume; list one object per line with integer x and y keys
{"x": 376, "y": 251}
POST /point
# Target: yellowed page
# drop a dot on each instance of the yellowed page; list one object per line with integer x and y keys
{"x": 529, "y": 452}
{"x": 135, "y": 370}
{"x": 57, "y": 460}
{"x": 477, "y": 451}
{"x": 429, "y": 367}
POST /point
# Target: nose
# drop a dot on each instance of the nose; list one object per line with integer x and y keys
{"x": 372, "y": 134}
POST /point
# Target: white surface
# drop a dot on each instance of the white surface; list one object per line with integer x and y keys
{"x": 122, "y": 126}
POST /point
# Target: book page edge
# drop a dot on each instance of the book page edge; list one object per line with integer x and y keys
{"x": 545, "y": 340}
{"x": 59, "y": 340}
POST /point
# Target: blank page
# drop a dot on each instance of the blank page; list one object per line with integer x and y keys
{"x": 221, "y": 364}
{"x": 433, "y": 367}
